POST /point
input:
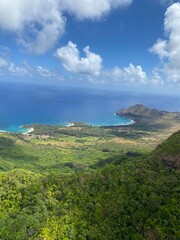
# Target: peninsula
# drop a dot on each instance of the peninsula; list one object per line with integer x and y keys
{"x": 147, "y": 118}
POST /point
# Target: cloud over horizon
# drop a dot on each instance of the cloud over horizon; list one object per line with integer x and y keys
{"x": 129, "y": 75}
{"x": 91, "y": 65}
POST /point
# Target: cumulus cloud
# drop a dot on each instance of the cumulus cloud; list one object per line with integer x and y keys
{"x": 91, "y": 66}
{"x": 135, "y": 74}
{"x": 129, "y": 75}
{"x": 92, "y": 8}
{"x": 69, "y": 55}
{"x": 156, "y": 79}
{"x": 168, "y": 49}
{"x": 39, "y": 24}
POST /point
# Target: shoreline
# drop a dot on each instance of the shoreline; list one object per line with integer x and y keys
{"x": 73, "y": 124}
{"x": 30, "y": 130}
{"x": 70, "y": 124}
{"x": 3, "y": 131}
{"x": 131, "y": 122}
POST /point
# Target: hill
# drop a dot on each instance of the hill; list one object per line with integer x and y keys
{"x": 143, "y": 111}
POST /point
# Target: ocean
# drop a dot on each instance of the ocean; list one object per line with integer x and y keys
{"x": 34, "y": 103}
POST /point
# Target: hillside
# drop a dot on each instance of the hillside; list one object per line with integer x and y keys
{"x": 169, "y": 152}
{"x": 111, "y": 192}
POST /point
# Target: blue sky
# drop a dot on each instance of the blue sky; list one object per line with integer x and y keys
{"x": 121, "y": 44}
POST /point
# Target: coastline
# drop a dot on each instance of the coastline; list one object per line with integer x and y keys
{"x": 124, "y": 124}
{"x": 129, "y": 123}
{"x": 25, "y": 131}
{"x": 70, "y": 124}
{"x": 3, "y": 131}
{"x": 30, "y": 130}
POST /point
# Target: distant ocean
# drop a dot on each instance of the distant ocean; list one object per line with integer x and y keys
{"x": 25, "y": 104}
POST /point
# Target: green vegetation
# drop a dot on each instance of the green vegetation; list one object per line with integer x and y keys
{"x": 48, "y": 151}
{"x": 84, "y": 183}
{"x": 169, "y": 152}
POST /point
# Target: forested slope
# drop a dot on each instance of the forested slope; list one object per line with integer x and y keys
{"x": 137, "y": 198}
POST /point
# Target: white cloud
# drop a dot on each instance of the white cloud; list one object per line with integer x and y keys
{"x": 7, "y": 67}
{"x": 44, "y": 72}
{"x": 91, "y": 66}
{"x": 168, "y": 50}
{"x": 44, "y": 39}
{"x": 129, "y": 75}
{"x": 135, "y": 74}
{"x": 92, "y": 8}
{"x": 69, "y": 55}
{"x": 17, "y": 70}
{"x": 38, "y": 24}
{"x": 159, "y": 48}
{"x": 156, "y": 78}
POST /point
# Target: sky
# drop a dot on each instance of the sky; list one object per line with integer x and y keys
{"x": 114, "y": 44}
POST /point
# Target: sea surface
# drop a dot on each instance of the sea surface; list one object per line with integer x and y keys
{"x": 26, "y": 104}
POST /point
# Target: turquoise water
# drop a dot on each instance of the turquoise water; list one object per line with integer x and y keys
{"x": 28, "y": 104}
{"x": 15, "y": 129}
{"x": 110, "y": 121}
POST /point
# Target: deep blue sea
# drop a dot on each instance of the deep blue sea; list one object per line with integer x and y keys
{"x": 25, "y": 104}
